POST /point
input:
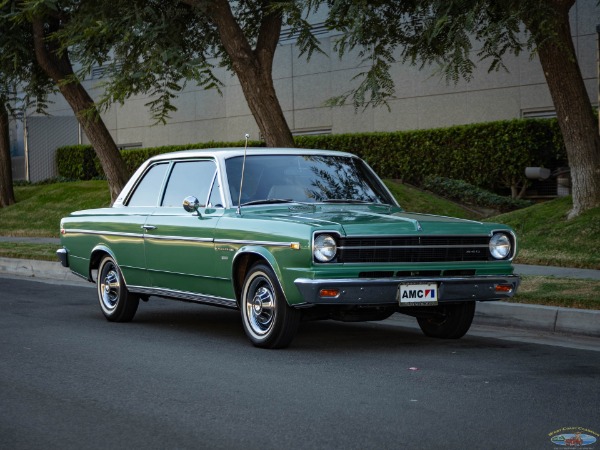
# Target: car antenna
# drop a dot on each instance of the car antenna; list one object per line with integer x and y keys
{"x": 247, "y": 136}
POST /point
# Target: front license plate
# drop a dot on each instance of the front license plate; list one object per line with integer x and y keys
{"x": 417, "y": 294}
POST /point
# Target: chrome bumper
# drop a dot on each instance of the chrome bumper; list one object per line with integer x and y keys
{"x": 382, "y": 291}
{"x": 63, "y": 256}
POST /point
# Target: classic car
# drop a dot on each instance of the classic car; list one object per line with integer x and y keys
{"x": 284, "y": 235}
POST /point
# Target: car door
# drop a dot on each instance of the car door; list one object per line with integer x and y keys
{"x": 180, "y": 245}
{"x": 124, "y": 233}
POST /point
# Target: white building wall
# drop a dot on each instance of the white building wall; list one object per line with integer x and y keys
{"x": 422, "y": 100}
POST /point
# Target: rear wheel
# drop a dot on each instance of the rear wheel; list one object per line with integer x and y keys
{"x": 117, "y": 304}
{"x": 449, "y": 322}
{"x": 268, "y": 320}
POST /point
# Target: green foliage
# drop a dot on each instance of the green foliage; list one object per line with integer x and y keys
{"x": 491, "y": 156}
{"x": 453, "y": 35}
{"x": 18, "y": 65}
{"x": 79, "y": 162}
{"x": 466, "y": 193}
{"x": 153, "y": 48}
{"x": 76, "y": 162}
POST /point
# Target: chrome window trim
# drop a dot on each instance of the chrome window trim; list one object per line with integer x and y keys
{"x": 172, "y": 164}
{"x": 126, "y": 200}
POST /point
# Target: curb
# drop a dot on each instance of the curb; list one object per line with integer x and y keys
{"x": 36, "y": 269}
{"x": 551, "y": 319}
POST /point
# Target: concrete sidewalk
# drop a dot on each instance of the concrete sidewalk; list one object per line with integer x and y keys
{"x": 531, "y": 317}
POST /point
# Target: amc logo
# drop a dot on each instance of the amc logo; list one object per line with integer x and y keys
{"x": 417, "y": 293}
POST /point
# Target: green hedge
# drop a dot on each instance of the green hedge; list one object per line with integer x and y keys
{"x": 79, "y": 162}
{"x": 490, "y": 155}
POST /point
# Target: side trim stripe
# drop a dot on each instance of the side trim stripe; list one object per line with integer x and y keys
{"x": 181, "y": 238}
{"x": 101, "y": 233}
{"x": 183, "y": 295}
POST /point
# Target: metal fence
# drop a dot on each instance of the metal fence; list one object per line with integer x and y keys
{"x": 43, "y": 135}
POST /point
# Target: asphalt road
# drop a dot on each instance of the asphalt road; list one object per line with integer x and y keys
{"x": 185, "y": 376}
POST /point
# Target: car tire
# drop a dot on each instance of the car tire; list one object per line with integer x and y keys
{"x": 269, "y": 322}
{"x": 452, "y": 322}
{"x": 117, "y": 304}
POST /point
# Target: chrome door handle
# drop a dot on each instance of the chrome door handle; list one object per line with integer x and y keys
{"x": 148, "y": 227}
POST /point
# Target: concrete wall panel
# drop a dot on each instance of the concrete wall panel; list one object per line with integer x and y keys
{"x": 442, "y": 110}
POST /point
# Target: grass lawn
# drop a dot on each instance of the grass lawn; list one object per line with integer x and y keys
{"x": 546, "y": 237}
{"x": 415, "y": 200}
{"x": 39, "y": 208}
{"x": 45, "y": 252}
{"x": 566, "y": 292}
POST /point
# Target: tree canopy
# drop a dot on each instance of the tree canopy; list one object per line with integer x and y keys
{"x": 23, "y": 85}
{"x": 153, "y": 47}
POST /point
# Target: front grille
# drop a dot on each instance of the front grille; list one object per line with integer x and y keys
{"x": 415, "y": 249}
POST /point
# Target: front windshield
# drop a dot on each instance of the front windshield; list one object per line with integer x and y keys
{"x": 304, "y": 178}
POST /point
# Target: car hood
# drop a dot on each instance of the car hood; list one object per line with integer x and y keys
{"x": 363, "y": 221}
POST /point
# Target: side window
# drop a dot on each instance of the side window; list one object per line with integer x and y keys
{"x": 148, "y": 189}
{"x": 189, "y": 178}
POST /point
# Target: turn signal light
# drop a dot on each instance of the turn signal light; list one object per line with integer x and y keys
{"x": 329, "y": 293}
{"x": 504, "y": 288}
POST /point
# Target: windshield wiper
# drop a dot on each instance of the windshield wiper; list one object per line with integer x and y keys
{"x": 267, "y": 201}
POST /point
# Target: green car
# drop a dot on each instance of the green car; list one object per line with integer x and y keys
{"x": 284, "y": 235}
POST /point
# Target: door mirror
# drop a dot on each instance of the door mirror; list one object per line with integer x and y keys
{"x": 191, "y": 204}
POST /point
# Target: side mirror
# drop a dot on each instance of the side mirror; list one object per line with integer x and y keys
{"x": 191, "y": 204}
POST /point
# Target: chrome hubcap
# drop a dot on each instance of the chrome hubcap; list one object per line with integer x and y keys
{"x": 109, "y": 288}
{"x": 260, "y": 310}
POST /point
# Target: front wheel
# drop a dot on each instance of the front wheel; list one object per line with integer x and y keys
{"x": 268, "y": 320}
{"x": 117, "y": 304}
{"x": 449, "y": 322}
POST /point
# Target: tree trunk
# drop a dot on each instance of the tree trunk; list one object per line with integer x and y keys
{"x": 254, "y": 69}
{"x": 58, "y": 67}
{"x": 573, "y": 109}
{"x": 7, "y": 194}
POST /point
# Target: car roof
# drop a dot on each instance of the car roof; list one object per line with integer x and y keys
{"x": 225, "y": 153}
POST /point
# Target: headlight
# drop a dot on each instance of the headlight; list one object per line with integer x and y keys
{"x": 500, "y": 246}
{"x": 324, "y": 248}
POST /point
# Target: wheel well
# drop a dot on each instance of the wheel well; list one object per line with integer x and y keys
{"x": 95, "y": 262}
{"x": 240, "y": 269}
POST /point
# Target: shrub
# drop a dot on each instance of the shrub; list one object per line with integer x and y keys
{"x": 77, "y": 162}
{"x": 492, "y": 155}
{"x": 466, "y": 193}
